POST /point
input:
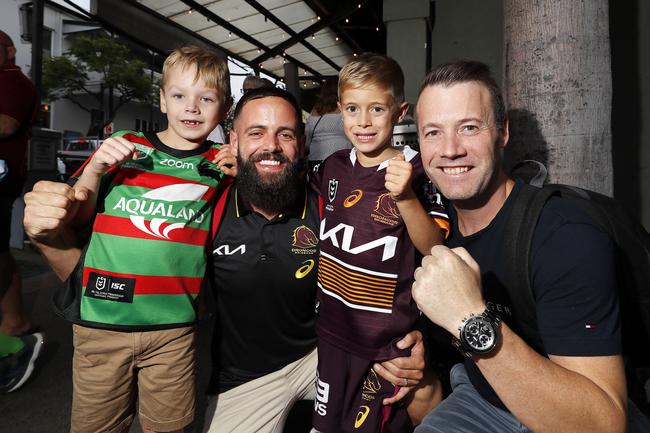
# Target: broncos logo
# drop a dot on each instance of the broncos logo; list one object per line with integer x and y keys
{"x": 303, "y": 237}
{"x": 386, "y": 207}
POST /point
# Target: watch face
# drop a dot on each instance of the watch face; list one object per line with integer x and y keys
{"x": 479, "y": 334}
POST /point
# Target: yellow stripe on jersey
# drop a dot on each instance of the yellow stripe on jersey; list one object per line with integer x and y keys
{"x": 354, "y": 286}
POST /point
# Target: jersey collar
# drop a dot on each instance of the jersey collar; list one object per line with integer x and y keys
{"x": 409, "y": 154}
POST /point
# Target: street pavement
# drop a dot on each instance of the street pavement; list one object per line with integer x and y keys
{"x": 42, "y": 405}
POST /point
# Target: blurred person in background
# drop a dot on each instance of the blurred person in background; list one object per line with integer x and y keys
{"x": 221, "y": 132}
{"x": 324, "y": 127}
{"x": 19, "y": 346}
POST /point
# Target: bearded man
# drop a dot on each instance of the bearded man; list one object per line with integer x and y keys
{"x": 265, "y": 253}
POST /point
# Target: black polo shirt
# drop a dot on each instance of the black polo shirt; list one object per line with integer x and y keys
{"x": 265, "y": 287}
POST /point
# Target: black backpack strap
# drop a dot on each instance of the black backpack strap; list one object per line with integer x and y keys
{"x": 520, "y": 228}
{"x": 532, "y": 172}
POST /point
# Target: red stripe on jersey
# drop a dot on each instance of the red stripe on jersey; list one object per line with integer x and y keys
{"x": 140, "y": 139}
{"x": 118, "y": 226}
{"x": 217, "y": 214}
{"x": 146, "y": 179}
{"x": 211, "y": 153}
{"x": 154, "y": 285}
{"x": 130, "y": 136}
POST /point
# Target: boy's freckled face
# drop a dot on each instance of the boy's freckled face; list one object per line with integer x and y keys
{"x": 193, "y": 108}
{"x": 368, "y": 117}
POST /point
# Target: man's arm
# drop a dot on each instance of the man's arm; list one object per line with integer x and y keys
{"x": 48, "y": 210}
{"x": 583, "y": 394}
{"x": 8, "y": 125}
{"x": 555, "y": 394}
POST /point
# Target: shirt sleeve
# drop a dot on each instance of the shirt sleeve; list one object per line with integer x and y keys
{"x": 574, "y": 280}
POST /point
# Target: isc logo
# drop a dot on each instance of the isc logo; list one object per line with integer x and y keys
{"x": 177, "y": 164}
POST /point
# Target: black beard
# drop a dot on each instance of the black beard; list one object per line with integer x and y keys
{"x": 272, "y": 193}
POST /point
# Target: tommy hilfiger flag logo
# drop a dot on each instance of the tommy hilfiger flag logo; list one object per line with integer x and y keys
{"x": 331, "y": 191}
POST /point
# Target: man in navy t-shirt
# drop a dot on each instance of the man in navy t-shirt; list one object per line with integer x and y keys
{"x": 571, "y": 377}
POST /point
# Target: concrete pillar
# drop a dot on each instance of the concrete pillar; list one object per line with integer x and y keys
{"x": 408, "y": 35}
{"x": 469, "y": 29}
{"x": 291, "y": 80}
{"x": 36, "y": 70}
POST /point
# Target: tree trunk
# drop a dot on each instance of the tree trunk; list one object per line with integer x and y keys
{"x": 558, "y": 88}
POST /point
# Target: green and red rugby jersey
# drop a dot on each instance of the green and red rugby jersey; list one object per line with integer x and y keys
{"x": 145, "y": 263}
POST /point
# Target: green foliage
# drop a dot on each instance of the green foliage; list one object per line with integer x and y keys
{"x": 98, "y": 58}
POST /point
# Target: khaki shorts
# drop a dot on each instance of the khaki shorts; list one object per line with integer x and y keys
{"x": 109, "y": 367}
{"x": 262, "y": 405}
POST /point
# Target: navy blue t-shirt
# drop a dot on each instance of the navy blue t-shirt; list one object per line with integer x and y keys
{"x": 574, "y": 283}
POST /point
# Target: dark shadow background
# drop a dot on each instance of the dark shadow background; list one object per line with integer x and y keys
{"x": 526, "y": 142}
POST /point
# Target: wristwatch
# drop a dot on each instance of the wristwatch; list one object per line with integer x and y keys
{"x": 479, "y": 334}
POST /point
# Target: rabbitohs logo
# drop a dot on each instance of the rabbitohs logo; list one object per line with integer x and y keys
{"x": 157, "y": 202}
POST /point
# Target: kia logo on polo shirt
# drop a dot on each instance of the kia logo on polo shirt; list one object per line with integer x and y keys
{"x": 225, "y": 250}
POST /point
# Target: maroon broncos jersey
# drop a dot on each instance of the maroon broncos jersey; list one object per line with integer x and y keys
{"x": 366, "y": 256}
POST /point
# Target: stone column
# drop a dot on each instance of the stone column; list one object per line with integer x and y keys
{"x": 408, "y": 40}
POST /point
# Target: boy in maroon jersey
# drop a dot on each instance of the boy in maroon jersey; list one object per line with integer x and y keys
{"x": 381, "y": 214}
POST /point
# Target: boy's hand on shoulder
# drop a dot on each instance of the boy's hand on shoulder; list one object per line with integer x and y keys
{"x": 226, "y": 161}
{"x": 399, "y": 175}
{"x": 113, "y": 151}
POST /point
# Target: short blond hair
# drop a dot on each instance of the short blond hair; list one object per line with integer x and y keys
{"x": 212, "y": 68}
{"x": 373, "y": 69}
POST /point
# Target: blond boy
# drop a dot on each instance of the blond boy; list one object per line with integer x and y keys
{"x": 132, "y": 296}
{"x": 380, "y": 215}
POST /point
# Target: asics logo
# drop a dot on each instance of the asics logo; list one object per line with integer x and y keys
{"x": 353, "y": 198}
{"x": 160, "y": 202}
{"x": 361, "y": 416}
{"x": 305, "y": 269}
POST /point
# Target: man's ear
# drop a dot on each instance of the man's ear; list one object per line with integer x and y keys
{"x": 163, "y": 103}
{"x": 338, "y": 105}
{"x": 402, "y": 110}
{"x": 234, "y": 145}
{"x": 11, "y": 53}
{"x": 505, "y": 133}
